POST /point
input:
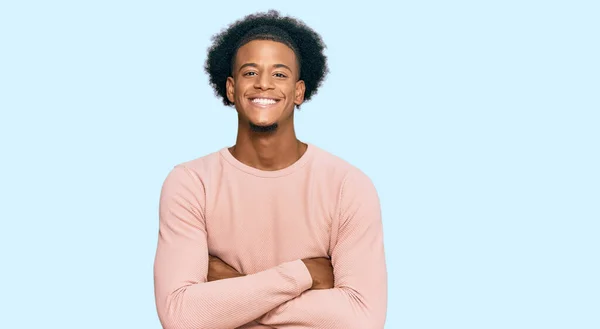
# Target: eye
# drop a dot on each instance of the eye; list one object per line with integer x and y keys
{"x": 280, "y": 75}
{"x": 249, "y": 73}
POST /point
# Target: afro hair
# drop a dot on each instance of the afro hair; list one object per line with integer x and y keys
{"x": 304, "y": 41}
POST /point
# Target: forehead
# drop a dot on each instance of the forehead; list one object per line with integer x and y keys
{"x": 265, "y": 52}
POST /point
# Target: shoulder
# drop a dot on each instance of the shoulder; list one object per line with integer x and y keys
{"x": 358, "y": 204}
{"x": 201, "y": 164}
{"x": 193, "y": 172}
{"x": 339, "y": 169}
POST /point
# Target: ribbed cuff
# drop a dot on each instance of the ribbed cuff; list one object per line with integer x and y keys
{"x": 301, "y": 274}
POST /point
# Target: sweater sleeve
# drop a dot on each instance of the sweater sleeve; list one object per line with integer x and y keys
{"x": 359, "y": 298}
{"x": 184, "y": 298}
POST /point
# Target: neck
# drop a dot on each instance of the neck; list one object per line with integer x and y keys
{"x": 272, "y": 150}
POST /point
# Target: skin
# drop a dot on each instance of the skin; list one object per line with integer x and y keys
{"x": 264, "y": 68}
{"x": 266, "y": 137}
{"x": 320, "y": 269}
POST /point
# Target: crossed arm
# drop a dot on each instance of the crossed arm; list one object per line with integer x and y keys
{"x": 190, "y": 295}
{"x": 320, "y": 269}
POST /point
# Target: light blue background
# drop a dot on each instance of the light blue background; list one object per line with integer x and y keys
{"x": 478, "y": 121}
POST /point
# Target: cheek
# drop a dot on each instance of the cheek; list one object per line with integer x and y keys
{"x": 238, "y": 91}
{"x": 289, "y": 90}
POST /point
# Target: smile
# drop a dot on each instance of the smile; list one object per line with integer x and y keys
{"x": 264, "y": 102}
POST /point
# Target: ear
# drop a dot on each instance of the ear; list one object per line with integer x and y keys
{"x": 299, "y": 95}
{"x": 230, "y": 86}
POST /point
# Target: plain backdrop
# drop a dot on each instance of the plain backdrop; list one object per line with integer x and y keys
{"x": 478, "y": 122}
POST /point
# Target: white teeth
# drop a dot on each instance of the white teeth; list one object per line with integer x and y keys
{"x": 263, "y": 101}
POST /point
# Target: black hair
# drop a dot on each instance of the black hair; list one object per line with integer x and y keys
{"x": 304, "y": 41}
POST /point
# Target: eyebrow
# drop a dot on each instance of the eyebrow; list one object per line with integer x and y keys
{"x": 274, "y": 66}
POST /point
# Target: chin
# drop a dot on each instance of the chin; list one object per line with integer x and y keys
{"x": 262, "y": 118}
{"x": 263, "y": 122}
{"x": 264, "y": 128}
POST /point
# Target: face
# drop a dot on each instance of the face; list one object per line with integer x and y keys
{"x": 264, "y": 85}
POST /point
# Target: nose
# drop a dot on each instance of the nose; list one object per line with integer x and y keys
{"x": 263, "y": 82}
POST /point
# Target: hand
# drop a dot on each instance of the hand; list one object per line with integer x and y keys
{"x": 321, "y": 272}
{"x": 219, "y": 270}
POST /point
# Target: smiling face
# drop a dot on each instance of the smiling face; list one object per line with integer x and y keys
{"x": 264, "y": 85}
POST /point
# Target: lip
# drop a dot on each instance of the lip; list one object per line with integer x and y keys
{"x": 251, "y": 98}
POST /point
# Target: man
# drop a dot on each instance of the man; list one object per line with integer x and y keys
{"x": 271, "y": 232}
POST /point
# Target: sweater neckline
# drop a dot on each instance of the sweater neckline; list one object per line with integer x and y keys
{"x": 310, "y": 150}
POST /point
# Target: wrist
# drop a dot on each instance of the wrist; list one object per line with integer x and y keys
{"x": 306, "y": 263}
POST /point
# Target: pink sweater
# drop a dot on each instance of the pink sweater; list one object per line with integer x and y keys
{"x": 263, "y": 223}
